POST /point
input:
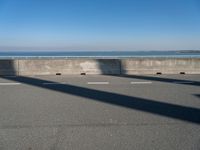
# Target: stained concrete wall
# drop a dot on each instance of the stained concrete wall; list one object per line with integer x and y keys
{"x": 69, "y": 66}
{"x": 8, "y": 67}
{"x": 162, "y": 65}
{"x": 100, "y": 66}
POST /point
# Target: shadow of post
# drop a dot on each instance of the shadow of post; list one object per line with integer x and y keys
{"x": 109, "y": 66}
{"x": 166, "y": 80}
{"x": 8, "y": 67}
{"x": 197, "y": 95}
{"x": 123, "y": 73}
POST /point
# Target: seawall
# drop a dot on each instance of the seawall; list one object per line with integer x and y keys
{"x": 28, "y": 67}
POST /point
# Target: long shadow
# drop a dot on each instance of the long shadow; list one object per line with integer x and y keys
{"x": 183, "y": 113}
{"x": 160, "y": 79}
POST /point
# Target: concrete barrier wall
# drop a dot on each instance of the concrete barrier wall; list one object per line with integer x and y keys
{"x": 69, "y": 66}
{"x": 8, "y": 67}
{"x": 100, "y": 66}
{"x": 162, "y": 65}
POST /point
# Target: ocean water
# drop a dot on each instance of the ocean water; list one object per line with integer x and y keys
{"x": 95, "y": 54}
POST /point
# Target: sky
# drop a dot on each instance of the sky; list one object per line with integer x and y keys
{"x": 99, "y": 25}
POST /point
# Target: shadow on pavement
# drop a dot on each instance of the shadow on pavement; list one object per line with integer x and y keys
{"x": 183, "y": 113}
{"x": 160, "y": 79}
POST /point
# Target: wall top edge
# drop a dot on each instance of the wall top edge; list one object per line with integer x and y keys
{"x": 110, "y": 58}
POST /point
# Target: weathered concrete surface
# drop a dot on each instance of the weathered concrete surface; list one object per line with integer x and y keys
{"x": 8, "y": 67}
{"x": 163, "y": 65}
{"x": 69, "y": 66}
{"x": 100, "y": 66}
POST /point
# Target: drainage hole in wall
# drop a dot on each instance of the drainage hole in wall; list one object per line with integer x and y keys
{"x": 58, "y": 74}
{"x": 182, "y": 73}
{"x": 159, "y": 73}
{"x": 83, "y": 73}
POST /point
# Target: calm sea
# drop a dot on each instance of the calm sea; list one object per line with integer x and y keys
{"x": 95, "y": 54}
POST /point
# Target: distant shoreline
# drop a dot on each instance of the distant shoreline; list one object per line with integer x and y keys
{"x": 100, "y": 54}
{"x": 189, "y": 51}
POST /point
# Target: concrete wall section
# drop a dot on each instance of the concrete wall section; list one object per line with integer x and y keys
{"x": 8, "y": 67}
{"x": 69, "y": 66}
{"x": 100, "y": 66}
{"x": 162, "y": 65}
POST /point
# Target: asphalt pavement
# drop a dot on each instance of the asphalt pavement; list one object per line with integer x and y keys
{"x": 99, "y": 112}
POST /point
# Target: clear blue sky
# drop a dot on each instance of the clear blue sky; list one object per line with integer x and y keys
{"x": 100, "y": 24}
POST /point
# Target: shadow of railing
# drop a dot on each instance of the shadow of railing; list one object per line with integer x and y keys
{"x": 175, "y": 111}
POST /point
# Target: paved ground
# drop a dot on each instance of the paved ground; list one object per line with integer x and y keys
{"x": 100, "y": 112}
